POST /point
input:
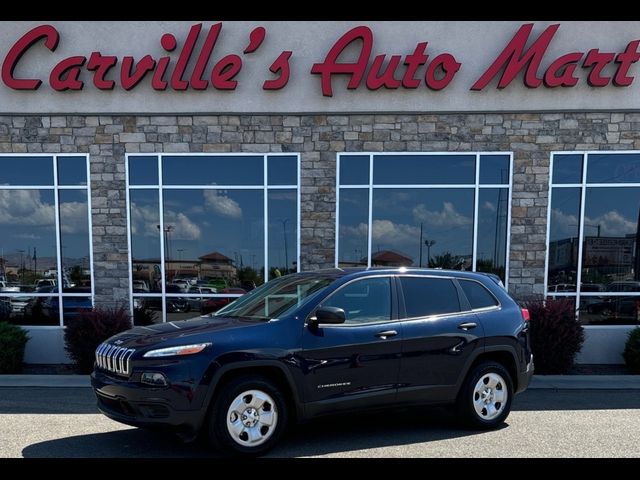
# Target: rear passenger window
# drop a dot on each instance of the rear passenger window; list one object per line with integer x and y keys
{"x": 477, "y": 294}
{"x": 429, "y": 296}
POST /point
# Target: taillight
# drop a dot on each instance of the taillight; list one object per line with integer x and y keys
{"x": 525, "y": 314}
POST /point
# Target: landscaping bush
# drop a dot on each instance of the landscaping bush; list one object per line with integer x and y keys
{"x": 92, "y": 327}
{"x": 12, "y": 342}
{"x": 556, "y": 335}
{"x": 631, "y": 352}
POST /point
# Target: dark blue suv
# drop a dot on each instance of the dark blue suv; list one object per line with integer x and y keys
{"x": 317, "y": 343}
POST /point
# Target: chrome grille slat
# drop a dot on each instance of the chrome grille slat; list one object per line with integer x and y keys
{"x": 114, "y": 359}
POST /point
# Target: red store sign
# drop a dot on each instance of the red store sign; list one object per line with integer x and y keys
{"x": 401, "y": 72}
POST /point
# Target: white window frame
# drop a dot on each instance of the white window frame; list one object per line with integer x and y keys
{"x": 476, "y": 187}
{"x": 56, "y": 189}
{"x": 161, "y": 187}
{"x": 583, "y": 185}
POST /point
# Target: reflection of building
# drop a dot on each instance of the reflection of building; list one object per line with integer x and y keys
{"x": 216, "y": 265}
{"x": 563, "y": 255}
{"x": 389, "y": 258}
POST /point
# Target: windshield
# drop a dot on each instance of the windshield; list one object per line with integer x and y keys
{"x": 274, "y": 298}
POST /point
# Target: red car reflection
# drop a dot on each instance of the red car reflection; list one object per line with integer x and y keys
{"x": 214, "y": 304}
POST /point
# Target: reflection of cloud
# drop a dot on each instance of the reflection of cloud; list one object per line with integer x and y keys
{"x": 73, "y": 217}
{"x": 394, "y": 233}
{"x": 384, "y": 230}
{"x": 144, "y": 221}
{"x": 25, "y": 207}
{"x": 448, "y": 216}
{"x": 489, "y": 206}
{"x": 611, "y": 223}
{"x": 183, "y": 227}
{"x": 221, "y": 204}
{"x": 26, "y": 236}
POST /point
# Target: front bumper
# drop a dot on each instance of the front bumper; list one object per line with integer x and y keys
{"x": 144, "y": 406}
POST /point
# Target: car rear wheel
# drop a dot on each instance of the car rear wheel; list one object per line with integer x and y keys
{"x": 485, "y": 399}
{"x": 248, "y": 416}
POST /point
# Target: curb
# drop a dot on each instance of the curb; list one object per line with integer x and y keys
{"x": 538, "y": 382}
{"x": 585, "y": 382}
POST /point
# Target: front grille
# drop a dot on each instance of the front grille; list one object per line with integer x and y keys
{"x": 114, "y": 359}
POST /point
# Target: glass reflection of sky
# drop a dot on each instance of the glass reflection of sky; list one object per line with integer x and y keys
{"x": 143, "y": 170}
{"x": 213, "y": 170}
{"x": 354, "y": 170}
{"x": 145, "y": 216}
{"x": 354, "y": 217}
{"x": 618, "y": 168}
{"x": 423, "y": 169}
{"x": 27, "y": 171}
{"x": 446, "y": 216}
{"x": 74, "y": 228}
{"x": 27, "y": 220}
{"x": 283, "y": 221}
{"x": 493, "y": 206}
{"x": 205, "y": 221}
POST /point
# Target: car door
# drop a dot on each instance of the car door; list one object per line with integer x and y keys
{"x": 440, "y": 333}
{"x": 355, "y": 363}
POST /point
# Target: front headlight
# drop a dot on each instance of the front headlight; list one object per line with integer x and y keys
{"x": 179, "y": 350}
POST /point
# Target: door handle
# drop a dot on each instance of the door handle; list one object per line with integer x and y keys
{"x": 387, "y": 333}
{"x": 467, "y": 326}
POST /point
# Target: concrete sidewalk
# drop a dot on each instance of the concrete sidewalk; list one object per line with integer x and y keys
{"x": 539, "y": 382}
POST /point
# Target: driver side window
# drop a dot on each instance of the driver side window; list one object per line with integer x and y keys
{"x": 364, "y": 301}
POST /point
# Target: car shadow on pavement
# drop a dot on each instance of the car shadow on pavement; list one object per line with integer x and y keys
{"x": 341, "y": 433}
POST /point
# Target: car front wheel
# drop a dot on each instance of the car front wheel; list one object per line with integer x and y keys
{"x": 248, "y": 417}
{"x": 485, "y": 399}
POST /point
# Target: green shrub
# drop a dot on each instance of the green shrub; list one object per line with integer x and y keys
{"x": 12, "y": 342}
{"x": 631, "y": 352}
{"x": 92, "y": 327}
{"x": 556, "y": 335}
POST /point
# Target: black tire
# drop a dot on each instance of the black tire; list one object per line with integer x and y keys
{"x": 219, "y": 436}
{"x": 465, "y": 404}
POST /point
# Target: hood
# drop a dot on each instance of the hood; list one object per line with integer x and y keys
{"x": 190, "y": 330}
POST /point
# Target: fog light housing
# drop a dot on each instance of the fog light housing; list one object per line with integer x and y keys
{"x": 154, "y": 378}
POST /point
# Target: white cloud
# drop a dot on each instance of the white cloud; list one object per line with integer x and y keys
{"x": 183, "y": 227}
{"x": 611, "y": 223}
{"x": 25, "y": 207}
{"x": 144, "y": 221}
{"x": 394, "y": 233}
{"x": 73, "y": 217}
{"x": 489, "y": 206}
{"x": 447, "y": 217}
{"x": 221, "y": 204}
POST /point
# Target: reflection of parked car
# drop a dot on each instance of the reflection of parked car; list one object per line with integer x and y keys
{"x": 196, "y": 302}
{"x": 614, "y": 310}
{"x": 214, "y": 304}
{"x": 71, "y": 306}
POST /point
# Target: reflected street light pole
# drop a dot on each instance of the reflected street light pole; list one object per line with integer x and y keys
{"x": 286, "y": 254}
{"x": 429, "y": 244}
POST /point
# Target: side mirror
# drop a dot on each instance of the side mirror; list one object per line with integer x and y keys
{"x": 331, "y": 315}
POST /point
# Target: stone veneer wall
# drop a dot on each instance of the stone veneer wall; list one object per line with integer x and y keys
{"x": 531, "y": 137}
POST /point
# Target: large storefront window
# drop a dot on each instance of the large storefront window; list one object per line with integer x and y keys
{"x": 45, "y": 239}
{"x": 594, "y": 235}
{"x": 205, "y": 229}
{"x": 428, "y": 209}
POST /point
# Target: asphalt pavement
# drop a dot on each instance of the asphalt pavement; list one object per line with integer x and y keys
{"x": 63, "y": 422}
